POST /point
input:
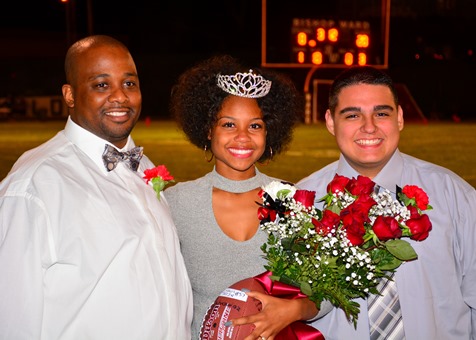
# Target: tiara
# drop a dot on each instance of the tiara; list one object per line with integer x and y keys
{"x": 247, "y": 85}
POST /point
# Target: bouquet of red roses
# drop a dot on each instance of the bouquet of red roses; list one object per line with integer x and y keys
{"x": 339, "y": 253}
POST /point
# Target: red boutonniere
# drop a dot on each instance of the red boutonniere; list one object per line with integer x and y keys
{"x": 158, "y": 178}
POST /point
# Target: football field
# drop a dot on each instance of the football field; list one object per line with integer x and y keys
{"x": 451, "y": 145}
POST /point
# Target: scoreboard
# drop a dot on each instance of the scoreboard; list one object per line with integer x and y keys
{"x": 322, "y": 41}
{"x": 332, "y": 34}
{"x": 322, "y": 37}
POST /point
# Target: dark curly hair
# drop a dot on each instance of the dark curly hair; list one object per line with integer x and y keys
{"x": 196, "y": 101}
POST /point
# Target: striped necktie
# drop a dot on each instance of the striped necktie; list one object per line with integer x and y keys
{"x": 385, "y": 316}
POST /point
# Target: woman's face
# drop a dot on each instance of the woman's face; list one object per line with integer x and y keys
{"x": 238, "y": 139}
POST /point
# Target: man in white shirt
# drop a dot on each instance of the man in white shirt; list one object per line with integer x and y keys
{"x": 87, "y": 251}
{"x": 437, "y": 291}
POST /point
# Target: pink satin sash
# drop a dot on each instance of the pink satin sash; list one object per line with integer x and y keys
{"x": 298, "y": 330}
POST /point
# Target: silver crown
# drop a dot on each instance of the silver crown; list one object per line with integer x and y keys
{"x": 247, "y": 85}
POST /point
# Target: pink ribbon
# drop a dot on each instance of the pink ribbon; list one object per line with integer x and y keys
{"x": 298, "y": 330}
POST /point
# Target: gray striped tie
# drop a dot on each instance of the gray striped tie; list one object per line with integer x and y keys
{"x": 385, "y": 315}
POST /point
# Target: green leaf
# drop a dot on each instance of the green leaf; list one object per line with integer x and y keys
{"x": 299, "y": 248}
{"x": 283, "y": 193}
{"x": 405, "y": 200}
{"x": 390, "y": 266}
{"x": 335, "y": 209}
{"x": 288, "y": 280}
{"x": 287, "y": 243}
{"x": 306, "y": 288}
{"x": 401, "y": 249}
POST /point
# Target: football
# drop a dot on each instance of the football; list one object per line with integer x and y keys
{"x": 231, "y": 304}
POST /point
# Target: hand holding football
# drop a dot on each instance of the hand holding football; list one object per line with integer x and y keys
{"x": 232, "y": 303}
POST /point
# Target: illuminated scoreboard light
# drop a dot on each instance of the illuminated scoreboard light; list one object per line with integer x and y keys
{"x": 319, "y": 41}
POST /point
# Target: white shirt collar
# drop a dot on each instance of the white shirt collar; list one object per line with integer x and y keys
{"x": 89, "y": 143}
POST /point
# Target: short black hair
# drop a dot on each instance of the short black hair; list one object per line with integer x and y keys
{"x": 359, "y": 75}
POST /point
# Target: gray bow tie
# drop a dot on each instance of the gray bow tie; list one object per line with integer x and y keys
{"x": 112, "y": 156}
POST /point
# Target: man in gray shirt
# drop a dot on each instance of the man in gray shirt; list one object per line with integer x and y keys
{"x": 437, "y": 291}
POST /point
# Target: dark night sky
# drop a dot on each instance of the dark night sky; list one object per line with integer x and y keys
{"x": 165, "y": 37}
{"x": 172, "y": 27}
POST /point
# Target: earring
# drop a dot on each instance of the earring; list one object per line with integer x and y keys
{"x": 206, "y": 157}
{"x": 269, "y": 158}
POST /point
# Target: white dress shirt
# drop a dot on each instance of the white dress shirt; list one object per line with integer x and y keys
{"x": 438, "y": 290}
{"x": 86, "y": 253}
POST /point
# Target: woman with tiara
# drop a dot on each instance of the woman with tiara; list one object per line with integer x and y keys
{"x": 240, "y": 118}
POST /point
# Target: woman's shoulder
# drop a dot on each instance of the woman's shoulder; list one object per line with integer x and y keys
{"x": 187, "y": 188}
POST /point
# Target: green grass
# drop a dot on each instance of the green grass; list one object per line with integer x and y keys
{"x": 448, "y": 144}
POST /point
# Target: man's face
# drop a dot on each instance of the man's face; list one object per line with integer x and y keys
{"x": 105, "y": 95}
{"x": 367, "y": 126}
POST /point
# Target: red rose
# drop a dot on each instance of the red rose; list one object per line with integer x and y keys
{"x": 357, "y": 212}
{"x": 328, "y": 222}
{"x": 266, "y": 214}
{"x": 414, "y": 213}
{"x": 362, "y": 205}
{"x": 420, "y": 227}
{"x": 320, "y": 228}
{"x": 159, "y": 171}
{"x": 386, "y": 228}
{"x": 355, "y": 234}
{"x": 353, "y": 223}
{"x": 360, "y": 186}
{"x": 306, "y": 197}
{"x": 420, "y": 197}
{"x": 337, "y": 184}
{"x": 330, "y": 218}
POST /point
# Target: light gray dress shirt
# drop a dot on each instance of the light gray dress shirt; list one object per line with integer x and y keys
{"x": 86, "y": 253}
{"x": 438, "y": 290}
